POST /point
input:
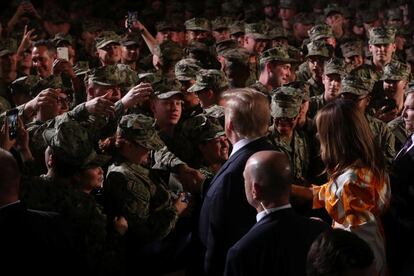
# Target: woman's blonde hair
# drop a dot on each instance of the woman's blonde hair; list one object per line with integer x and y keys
{"x": 346, "y": 139}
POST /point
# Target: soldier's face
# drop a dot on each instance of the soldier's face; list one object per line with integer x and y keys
{"x": 394, "y": 88}
{"x": 42, "y": 61}
{"x": 63, "y": 101}
{"x": 286, "y": 14}
{"x": 162, "y": 36}
{"x": 239, "y": 38}
{"x": 130, "y": 53}
{"x": 254, "y": 46}
{"x": 316, "y": 66}
{"x": 99, "y": 90}
{"x": 178, "y": 37}
{"x": 200, "y": 36}
{"x": 301, "y": 30}
{"x": 382, "y": 52}
{"x": 221, "y": 34}
{"x": 270, "y": 11}
{"x": 335, "y": 20}
{"x": 110, "y": 54}
{"x": 167, "y": 112}
{"x": 354, "y": 61}
{"x": 285, "y": 126}
{"x": 91, "y": 179}
{"x": 332, "y": 84}
{"x": 408, "y": 112}
{"x": 281, "y": 74}
{"x": 215, "y": 150}
{"x": 8, "y": 64}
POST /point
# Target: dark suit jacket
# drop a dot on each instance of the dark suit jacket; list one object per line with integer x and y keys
{"x": 226, "y": 215}
{"x": 36, "y": 241}
{"x": 276, "y": 245}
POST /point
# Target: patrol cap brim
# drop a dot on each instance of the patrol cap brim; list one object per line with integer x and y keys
{"x": 258, "y": 36}
{"x": 183, "y": 77}
{"x": 6, "y": 52}
{"x": 129, "y": 43}
{"x": 105, "y": 43}
{"x": 354, "y": 91}
{"x": 152, "y": 143}
{"x": 285, "y": 112}
{"x": 169, "y": 94}
{"x": 196, "y": 87}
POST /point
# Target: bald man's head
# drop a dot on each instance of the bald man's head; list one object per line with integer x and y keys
{"x": 10, "y": 179}
{"x": 268, "y": 178}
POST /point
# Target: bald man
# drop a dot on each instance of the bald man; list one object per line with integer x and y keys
{"x": 278, "y": 243}
{"x": 29, "y": 239}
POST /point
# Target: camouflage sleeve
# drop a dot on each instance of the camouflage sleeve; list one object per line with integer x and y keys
{"x": 4, "y": 105}
{"x": 149, "y": 218}
{"x": 166, "y": 160}
{"x": 388, "y": 145}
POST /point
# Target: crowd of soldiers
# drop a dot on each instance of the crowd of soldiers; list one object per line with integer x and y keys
{"x": 121, "y": 124}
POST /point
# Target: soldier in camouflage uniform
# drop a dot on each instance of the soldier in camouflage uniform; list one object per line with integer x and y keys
{"x": 235, "y": 65}
{"x": 220, "y": 28}
{"x": 236, "y": 31}
{"x": 20, "y": 89}
{"x": 358, "y": 90}
{"x": 331, "y": 79}
{"x": 318, "y": 53}
{"x": 286, "y": 104}
{"x": 197, "y": 29}
{"x": 8, "y": 71}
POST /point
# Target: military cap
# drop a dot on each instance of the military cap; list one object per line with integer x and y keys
{"x": 334, "y": 66}
{"x": 186, "y": 69}
{"x": 81, "y": 68}
{"x": 278, "y": 53}
{"x": 396, "y": 70}
{"x": 71, "y": 144}
{"x": 24, "y": 84}
{"x": 164, "y": 26}
{"x": 355, "y": 85}
{"x": 152, "y": 78}
{"x": 286, "y": 102}
{"x": 201, "y": 128}
{"x": 295, "y": 54}
{"x": 394, "y": 14}
{"x": 276, "y": 32}
{"x": 214, "y": 112}
{"x": 236, "y": 28}
{"x": 131, "y": 39}
{"x": 209, "y": 78}
{"x": 54, "y": 82}
{"x": 169, "y": 50}
{"x": 163, "y": 91}
{"x": 332, "y": 8}
{"x": 288, "y": 4}
{"x": 317, "y": 48}
{"x": 61, "y": 37}
{"x": 303, "y": 18}
{"x": 302, "y": 88}
{"x": 220, "y": 23}
{"x": 106, "y": 38}
{"x": 8, "y": 46}
{"x": 105, "y": 75}
{"x": 370, "y": 15}
{"x": 238, "y": 56}
{"x": 351, "y": 48}
{"x": 382, "y": 35}
{"x": 226, "y": 45}
{"x": 320, "y": 31}
{"x": 255, "y": 30}
{"x": 197, "y": 24}
{"x": 140, "y": 129}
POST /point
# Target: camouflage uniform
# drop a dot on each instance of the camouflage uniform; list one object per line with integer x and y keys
{"x": 397, "y": 127}
{"x": 7, "y": 47}
{"x": 286, "y": 102}
{"x": 319, "y": 49}
{"x": 131, "y": 191}
{"x": 256, "y": 31}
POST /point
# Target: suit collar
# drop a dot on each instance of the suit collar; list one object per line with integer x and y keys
{"x": 275, "y": 216}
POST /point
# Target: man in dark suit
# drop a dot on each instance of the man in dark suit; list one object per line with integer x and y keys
{"x": 399, "y": 220}
{"x": 34, "y": 240}
{"x": 279, "y": 242}
{"x": 226, "y": 215}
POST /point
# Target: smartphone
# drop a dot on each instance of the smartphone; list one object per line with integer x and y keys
{"x": 132, "y": 16}
{"x": 12, "y": 120}
{"x": 63, "y": 53}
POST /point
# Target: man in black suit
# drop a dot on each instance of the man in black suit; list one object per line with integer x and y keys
{"x": 30, "y": 240}
{"x": 226, "y": 215}
{"x": 279, "y": 242}
{"x": 399, "y": 220}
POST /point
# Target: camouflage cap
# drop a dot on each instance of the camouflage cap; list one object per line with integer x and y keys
{"x": 8, "y": 46}
{"x": 81, "y": 68}
{"x": 237, "y": 56}
{"x": 236, "y": 28}
{"x": 130, "y": 39}
{"x": 288, "y": 4}
{"x": 71, "y": 144}
{"x": 318, "y": 48}
{"x": 255, "y": 30}
{"x": 169, "y": 50}
{"x": 140, "y": 129}
{"x": 197, "y": 24}
{"x": 370, "y": 15}
{"x": 276, "y": 32}
{"x": 226, "y": 45}
{"x": 105, "y": 75}
{"x": 209, "y": 78}
{"x": 334, "y": 66}
{"x": 201, "y": 128}
{"x": 331, "y": 9}
{"x": 351, "y": 48}
{"x": 164, "y": 26}
{"x": 355, "y": 85}
{"x": 301, "y": 86}
{"x": 394, "y": 14}
{"x": 163, "y": 91}
{"x": 382, "y": 35}
{"x": 150, "y": 77}
{"x": 303, "y": 18}
{"x": 24, "y": 84}
{"x": 220, "y": 23}
{"x": 320, "y": 31}
{"x": 278, "y": 53}
{"x": 286, "y": 102}
{"x": 396, "y": 70}
{"x": 61, "y": 37}
{"x": 186, "y": 69}
{"x": 54, "y": 82}
{"x": 106, "y": 38}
